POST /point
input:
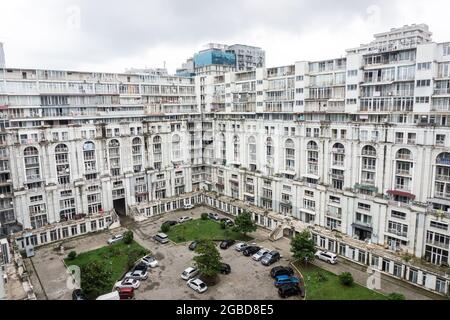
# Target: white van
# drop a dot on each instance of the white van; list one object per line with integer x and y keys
{"x": 326, "y": 256}
{"x": 110, "y": 296}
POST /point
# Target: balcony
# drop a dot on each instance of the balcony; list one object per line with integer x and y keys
{"x": 403, "y": 172}
{"x": 368, "y": 168}
{"x": 337, "y": 176}
{"x": 338, "y": 150}
{"x": 369, "y": 153}
{"x": 439, "y": 244}
{"x": 441, "y": 91}
{"x": 398, "y": 233}
{"x": 439, "y": 194}
{"x": 403, "y": 156}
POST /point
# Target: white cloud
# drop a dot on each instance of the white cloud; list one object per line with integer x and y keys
{"x": 114, "y": 35}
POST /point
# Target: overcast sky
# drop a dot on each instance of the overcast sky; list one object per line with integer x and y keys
{"x": 112, "y": 35}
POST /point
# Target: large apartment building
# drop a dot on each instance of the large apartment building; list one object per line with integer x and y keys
{"x": 357, "y": 149}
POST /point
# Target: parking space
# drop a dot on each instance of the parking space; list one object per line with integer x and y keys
{"x": 248, "y": 279}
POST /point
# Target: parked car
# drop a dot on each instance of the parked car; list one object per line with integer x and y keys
{"x": 270, "y": 258}
{"x": 141, "y": 266}
{"x": 257, "y": 256}
{"x": 280, "y": 280}
{"x": 116, "y": 238}
{"x": 288, "y": 290}
{"x": 225, "y": 244}
{"x": 110, "y": 296}
{"x": 193, "y": 245}
{"x": 281, "y": 271}
{"x": 170, "y": 222}
{"x": 213, "y": 215}
{"x": 250, "y": 250}
{"x": 127, "y": 283}
{"x": 126, "y": 293}
{"x": 197, "y": 285}
{"x": 228, "y": 222}
{"x": 326, "y": 256}
{"x": 225, "y": 268}
{"x": 184, "y": 219}
{"x": 161, "y": 238}
{"x": 241, "y": 246}
{"x": 150, "y": 261}
{"x": 77, "y": 294}
{"x": 188, "y": 206}
{"x": 137, "y": 274}
{"x": 189, "y": 273}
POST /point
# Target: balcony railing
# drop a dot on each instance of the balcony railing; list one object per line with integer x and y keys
{"x": 403, "y": 172}
{"x": 398, "y": 233}
{"x": 439, "y": 194}
{"x": 442, "y": 177}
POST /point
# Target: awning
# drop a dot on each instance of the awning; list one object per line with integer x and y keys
{"x": 362, "y": 227}
{"x": 401, "y": 193}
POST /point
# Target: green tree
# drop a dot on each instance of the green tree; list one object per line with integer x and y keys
{"x": 208, "y": 260}
{"x": 165, "y": 227}
{"x": 204, "y": 216}
{"x": 72, "y": 255}
{"x": 128, "y": 237}
{"x": 95, "y": 280}
{"x": 244, "y": 223}
{"x": 346, "y": 279}
{"x": 302, "y": 247}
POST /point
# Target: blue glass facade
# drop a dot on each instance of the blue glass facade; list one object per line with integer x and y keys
{"x": 214, "y": 56}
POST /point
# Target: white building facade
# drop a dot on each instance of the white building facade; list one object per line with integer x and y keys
{"x": 357, "y": 149}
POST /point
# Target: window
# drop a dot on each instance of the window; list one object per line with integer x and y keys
{"x": 422, "y": 99}
{"x": 440, "y": 139}
{"x": 438, "y": 225}
{"x": 446, "y": 49}
{"x": 423, "y": 83}
{"x": 352, "y": 87}
{"x": 299, "y": 78}
{"x": 424, "y": 66}
{"x": 352, "y": 73}
{"x": 398, "y": 215}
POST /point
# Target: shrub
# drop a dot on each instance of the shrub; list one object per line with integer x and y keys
{"x": 72, "y": 255}
{"x": 396, "y": 296}
{"x": 223, "y": 225}
{"x": 204, "y": 216}
{"x": 128, "y": 237}
{"x": 321, "y": 277}
{"x": 165, "y": 227}
{"x": 346, "y": 279}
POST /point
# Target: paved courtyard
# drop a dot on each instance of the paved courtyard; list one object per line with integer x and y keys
{"x": 248, "y": 279}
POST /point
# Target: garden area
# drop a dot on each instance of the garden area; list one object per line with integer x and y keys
{"x": 323, "y": 285}
{"x": 203, "y": 229}
{"x": 102, "y": 267}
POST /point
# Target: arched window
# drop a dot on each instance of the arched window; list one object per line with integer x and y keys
{"x": 403, "y": 170}
{"x": 236, "y": 148}
{"x": 136, "y": 151}
{"x": 223, "y": 148}
{"x": 442, "y": 179}
{"x": 32, "y": 167}
{"x": 289, "y": 148}
{"x": 338, "y": 155}
{"x": 114, "y": 157}
{"x": 176, "y": 147}
{"x": 368, "y": 165}
{"x": 157, "y": 152}
{"x": 252, "y": 149}
{"x": 62, "y": 163}
{"x": 312, "y": 154}
{"x": 269, "y": 147}
{"x": 90, "y": 163}
{"x": 369, "y": 151}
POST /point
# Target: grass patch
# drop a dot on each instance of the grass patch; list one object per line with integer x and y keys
{"x": 203, "y": 230}
{"x": 323, "y": 285}
{"x": 113, "y": 257}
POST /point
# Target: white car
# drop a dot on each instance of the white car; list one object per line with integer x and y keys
{"x": 137, "y": 274}
{"x": 127, "y": 283}
{"x": 258, "y": 256}
{"x": 326, "y": 256}
{"x": 150, "y": 261}
{"x": 188, "y": 206}
{"x": 184, "y": 219}
{"x": 116, "y": 238}
{"x": 189, "y": 273}
{"x": 197, "y": 285}
{"x": 240, "y": 246}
